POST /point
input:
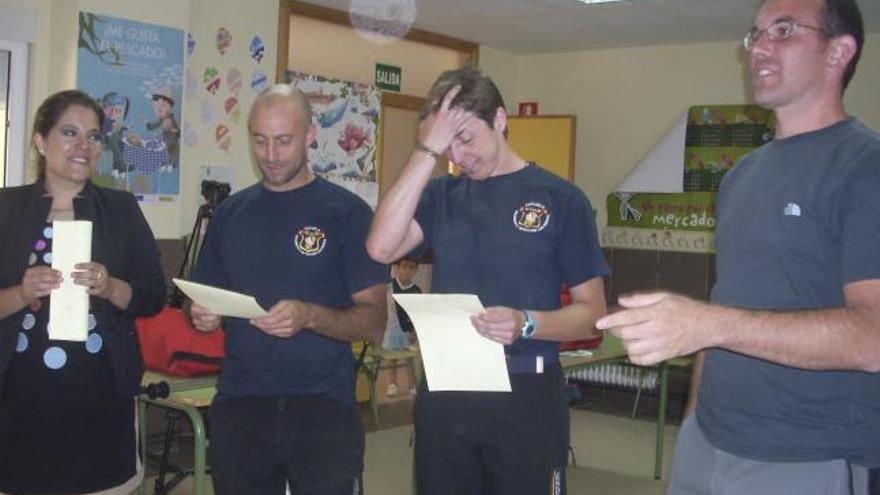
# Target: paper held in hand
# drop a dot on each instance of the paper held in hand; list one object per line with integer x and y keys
{"x": 221, "y": 302}
{"x": 455, "y": 356}
{"x": 69, "y": 304}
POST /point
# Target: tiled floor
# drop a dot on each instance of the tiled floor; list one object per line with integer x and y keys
{"x": 615, "y": 454}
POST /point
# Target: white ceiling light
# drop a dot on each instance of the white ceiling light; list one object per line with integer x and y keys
{"x": 590, "y": 2}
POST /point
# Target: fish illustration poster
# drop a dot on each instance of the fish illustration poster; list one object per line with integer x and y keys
{"x": 135, "y": 73}
{"x": 346, "y": 116}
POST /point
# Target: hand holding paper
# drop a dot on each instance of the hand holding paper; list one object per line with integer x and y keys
{"x": 39, "y": 281}
{"x": 456, "y": 357}
{"x": 221, "y": 302}
{"x": 285, "y": 319}
{"x": 203, "y": 319}
{"x": 498, "y": 323}
{"x": 94, "y": 277}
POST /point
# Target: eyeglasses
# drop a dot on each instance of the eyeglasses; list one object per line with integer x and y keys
{"x": 778, "y": 31}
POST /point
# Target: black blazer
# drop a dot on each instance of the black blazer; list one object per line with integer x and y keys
{"x": 121, "y": 241}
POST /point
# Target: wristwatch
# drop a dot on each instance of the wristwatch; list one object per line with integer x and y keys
{"x": 528, "y": 328}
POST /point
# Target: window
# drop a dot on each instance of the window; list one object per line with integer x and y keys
{"x": 19, "y": 28}
{"x": 5, "y": 57}
{"x": 13, "y": 111}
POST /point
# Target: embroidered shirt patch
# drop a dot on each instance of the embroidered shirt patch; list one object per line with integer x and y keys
{"x": 310, "y": 240}
{"x": 531, "y": 217}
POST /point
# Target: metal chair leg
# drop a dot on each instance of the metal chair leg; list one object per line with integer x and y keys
{"x": 661, "y": 420}
{"x": 171, "y": 418}
{"x": 641, "y": 383}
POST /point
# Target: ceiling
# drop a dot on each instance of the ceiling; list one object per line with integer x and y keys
{"x": 546, "y": 26}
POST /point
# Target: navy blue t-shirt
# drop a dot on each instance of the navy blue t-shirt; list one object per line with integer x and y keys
{"x": 797, "y": 221}
{"x": 307, "y": 244}
{"x": 511, "y": 240}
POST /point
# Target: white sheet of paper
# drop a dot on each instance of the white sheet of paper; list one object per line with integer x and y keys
{"x": 455, "y": 356}
{"x": 221, "y": 302}
{"x": 69, "y": 304}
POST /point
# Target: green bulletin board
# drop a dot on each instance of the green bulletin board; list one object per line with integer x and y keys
{"x": 717, "y": 136}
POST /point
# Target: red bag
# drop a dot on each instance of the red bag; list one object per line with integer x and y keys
{"x": 575, "y": 345}
{"x": 565, "y": 297}
{"x": 171, "y": 345}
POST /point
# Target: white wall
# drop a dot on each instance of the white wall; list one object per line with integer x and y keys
{"x": 862, "y": 98}
{"x": 243, "y": 20}
{"x": 503, "y": 68}
{"x": 352, "y": 58}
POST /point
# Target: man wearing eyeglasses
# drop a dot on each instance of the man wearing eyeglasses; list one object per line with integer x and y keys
{"x": 789, "y": 399}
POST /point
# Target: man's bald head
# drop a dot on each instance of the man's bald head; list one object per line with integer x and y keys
{"x": 282, "y": 94}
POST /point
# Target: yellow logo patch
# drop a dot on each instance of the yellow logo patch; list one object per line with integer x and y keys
{"x": 310, "y": 240}
{"x": 531, "y": 217}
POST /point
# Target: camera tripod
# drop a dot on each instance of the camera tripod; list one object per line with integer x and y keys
{"x": 214, "y": 193}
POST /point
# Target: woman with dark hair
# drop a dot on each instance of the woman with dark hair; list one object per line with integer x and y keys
{"x": 67, "y": 409}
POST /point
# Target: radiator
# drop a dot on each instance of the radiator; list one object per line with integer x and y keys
{"x": 617, "y": 374}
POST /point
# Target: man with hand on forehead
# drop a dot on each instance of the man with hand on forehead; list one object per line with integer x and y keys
{"x": 789, "y": 400}
{"x": 511, "y": 233}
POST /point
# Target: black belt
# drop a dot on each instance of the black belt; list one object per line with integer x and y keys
{"x": 527, "y": 363}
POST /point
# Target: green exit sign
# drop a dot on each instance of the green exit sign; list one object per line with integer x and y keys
{"x": 388, "y": 77}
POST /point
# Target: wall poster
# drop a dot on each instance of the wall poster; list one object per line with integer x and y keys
{"x": 134, "y": 71}
{"x": 346, "y": 115}
{"x": 716, "y": 137}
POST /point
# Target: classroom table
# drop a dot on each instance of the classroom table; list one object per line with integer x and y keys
{"x": 612, "y": 351}
{"x": 186, "y": 395}
{"x": 375, "y": 361}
